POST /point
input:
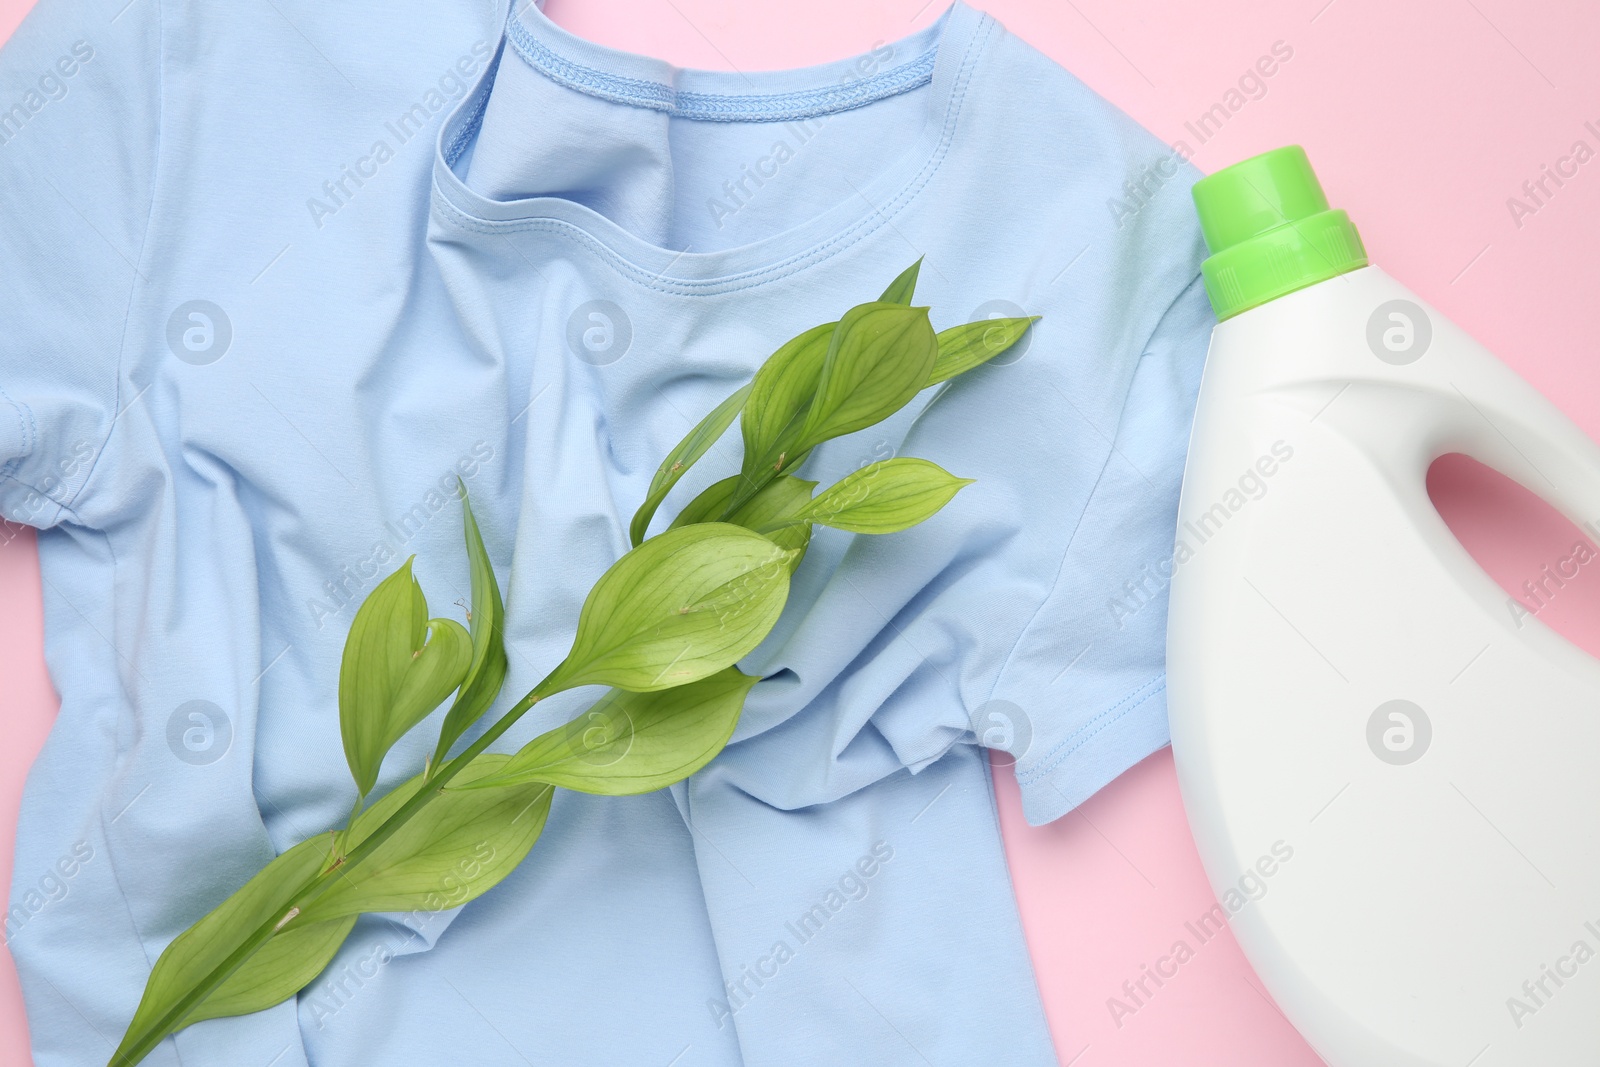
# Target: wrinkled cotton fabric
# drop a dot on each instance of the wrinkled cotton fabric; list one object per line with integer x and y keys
{"x": 276, "y": 275}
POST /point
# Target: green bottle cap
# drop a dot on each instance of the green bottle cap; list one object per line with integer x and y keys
{"x": 1270, "y": 231}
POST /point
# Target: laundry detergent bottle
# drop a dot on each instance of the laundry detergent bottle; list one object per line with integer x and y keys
{"x": 1391, "y": 768}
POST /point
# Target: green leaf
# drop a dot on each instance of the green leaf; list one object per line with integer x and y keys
{"x": 901, "y": 289}
{"x": 390, "y": 624}
{"x": 681, "y": 458}
{"x": 486, "y": 621}
{"x": 286, "y": 963}
{"x": 963, "y": 347}
{"x": 279, "y": 969}
{"x": 455, "y": 848}
{"x": 771, "y": 511}
{"x": 390, "y": 679}
{"x": 634, "y": 742}
{"x": 883, "y": 497}
{"x": 780, "y": 396}
{"x": 709, "y": 504}
{"x": 767, "y": 512}
{"x": 439, "y": 668}
{"x": 683, "y": 605}
{"x": 879, "y": 358}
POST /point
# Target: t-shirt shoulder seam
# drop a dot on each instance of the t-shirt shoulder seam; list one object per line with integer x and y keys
{"x": 71, "y": 499}
{"x": 1111, "y": 448}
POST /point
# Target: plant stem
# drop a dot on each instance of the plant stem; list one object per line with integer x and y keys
{"x": 169, "y": 1022}
{"x": 342, "y": 838}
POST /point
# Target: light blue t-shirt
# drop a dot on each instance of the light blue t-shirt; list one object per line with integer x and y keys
{"x": 276, "y": 274}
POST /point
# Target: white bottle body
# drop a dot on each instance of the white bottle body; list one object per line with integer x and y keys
{"x": 1445, "y": 862}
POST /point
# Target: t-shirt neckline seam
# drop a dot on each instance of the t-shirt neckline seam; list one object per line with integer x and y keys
{"x": 727, "y": 272}
{"x": 789, "y": 106}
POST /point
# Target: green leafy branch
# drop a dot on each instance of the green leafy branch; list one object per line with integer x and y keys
{"x": 663, "y": 629}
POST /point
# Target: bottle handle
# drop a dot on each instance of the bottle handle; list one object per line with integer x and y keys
{"x": 1505, "y": 423}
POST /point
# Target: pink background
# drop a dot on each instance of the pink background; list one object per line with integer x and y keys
{"x": 1422, "y": 118}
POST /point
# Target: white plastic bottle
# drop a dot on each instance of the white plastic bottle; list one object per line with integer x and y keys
{"x": 1391, "y": 770}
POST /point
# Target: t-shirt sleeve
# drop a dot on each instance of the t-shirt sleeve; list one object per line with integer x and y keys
{"x": 1086, "y": 678}
{"x": 80, "y": 103}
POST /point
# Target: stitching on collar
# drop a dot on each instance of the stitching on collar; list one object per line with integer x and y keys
{"x": 719, "y": 107}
